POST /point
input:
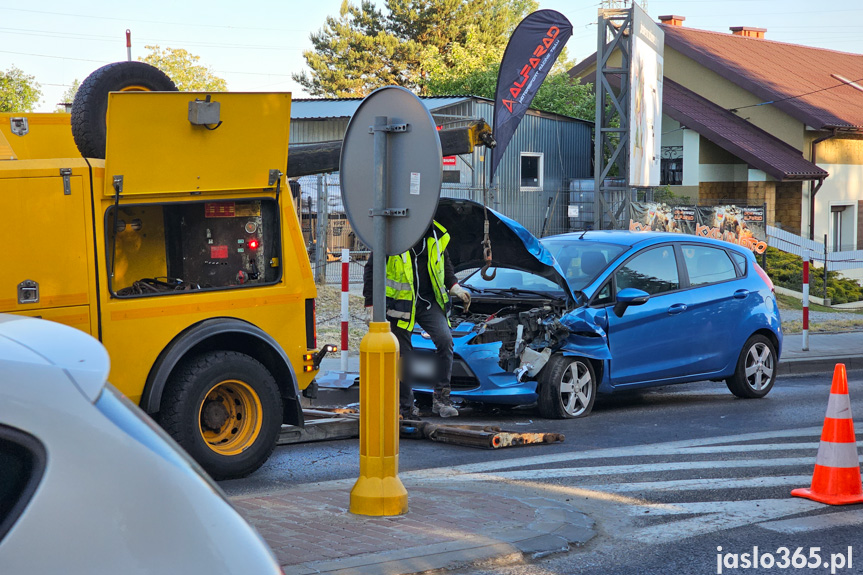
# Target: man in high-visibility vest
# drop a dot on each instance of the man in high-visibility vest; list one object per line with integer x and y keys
{"x": 419, "y": 285}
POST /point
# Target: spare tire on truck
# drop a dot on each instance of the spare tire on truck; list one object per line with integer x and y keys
{"x": 91, "y": 101}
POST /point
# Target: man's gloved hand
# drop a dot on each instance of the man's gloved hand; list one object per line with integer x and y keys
{"x": 369, "y": 314}
{"x": 461, "y": 293}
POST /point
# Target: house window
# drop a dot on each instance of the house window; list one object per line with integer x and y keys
{"x": 842, "y": 228}
{"x": 451, "y": 177}
{"x": 671, "y": 166}
{"x": 531, "y": 171}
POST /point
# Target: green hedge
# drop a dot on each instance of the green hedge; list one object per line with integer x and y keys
{"x": 786, "y": 270}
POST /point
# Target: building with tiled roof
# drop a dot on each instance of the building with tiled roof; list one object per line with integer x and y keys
{"x": 753, "y": 120}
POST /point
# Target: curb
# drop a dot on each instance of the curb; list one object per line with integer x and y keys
{"x": 556, "y": 528}
{"x": 816, "y": 365}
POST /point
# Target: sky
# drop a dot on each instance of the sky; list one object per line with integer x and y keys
{"x": 255, "y": 45}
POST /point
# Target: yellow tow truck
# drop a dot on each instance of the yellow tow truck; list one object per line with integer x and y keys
{"x": 172, "y": 237}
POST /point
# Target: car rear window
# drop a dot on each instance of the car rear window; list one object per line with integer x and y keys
{"x": 741, "y": 262}
{"x": 707, "y": 265}
{"x": 22, "y": 462}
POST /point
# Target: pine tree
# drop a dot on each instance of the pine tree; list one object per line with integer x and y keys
{"x": 408, "y": 43}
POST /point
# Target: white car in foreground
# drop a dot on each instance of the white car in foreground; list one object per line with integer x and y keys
{"x": 89, "y": 484}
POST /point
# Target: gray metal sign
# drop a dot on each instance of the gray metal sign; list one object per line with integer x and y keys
{"x": 408, "y": 166}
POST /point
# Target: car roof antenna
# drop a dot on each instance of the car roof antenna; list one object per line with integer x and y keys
{"x": 581, "y": 237}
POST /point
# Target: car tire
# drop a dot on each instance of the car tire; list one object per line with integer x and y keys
{"x": 558, "y": 398}
{"x": 90, "y": 106}
{"x": 756, "y": 362}
{"x": 225, "y": 410}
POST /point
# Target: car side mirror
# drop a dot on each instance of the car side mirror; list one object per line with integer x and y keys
{"x": 627, "y": 297}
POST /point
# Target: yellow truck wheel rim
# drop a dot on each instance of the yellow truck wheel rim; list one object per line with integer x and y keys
{"x": 230, "y": 417}
{"x": 134, "y": 88}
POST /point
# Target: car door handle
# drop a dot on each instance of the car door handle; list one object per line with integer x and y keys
{"x": 677, "y": 308}
{"x": 741, "y": 294}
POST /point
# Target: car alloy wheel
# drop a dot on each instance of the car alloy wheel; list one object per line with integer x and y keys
{"x": 756, "y": 369}
{"x": 567, "y": 388}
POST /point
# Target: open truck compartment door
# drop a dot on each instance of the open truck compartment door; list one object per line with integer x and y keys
{"x": 156, "y": 149}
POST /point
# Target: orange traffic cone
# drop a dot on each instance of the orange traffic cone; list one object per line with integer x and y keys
{"x": 836, "y": 480}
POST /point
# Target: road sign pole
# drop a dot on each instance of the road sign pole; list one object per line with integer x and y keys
{"x": 379, "y": 273}
{"x": 379, "y": 491}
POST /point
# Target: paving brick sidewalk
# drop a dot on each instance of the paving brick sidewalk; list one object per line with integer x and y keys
{"x": 311, "y": 530}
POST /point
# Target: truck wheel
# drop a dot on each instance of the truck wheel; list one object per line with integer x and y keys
{"x": 567, "y": 388}
{"x": 91, "y": 101}
{"x": 224, "y": 409}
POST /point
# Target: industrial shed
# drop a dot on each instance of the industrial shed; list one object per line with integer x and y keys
{"x": 532, "y": 184}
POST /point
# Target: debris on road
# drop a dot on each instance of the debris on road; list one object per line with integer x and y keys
{"x": 322, "y": 424}
{"x": 481, "y": 436}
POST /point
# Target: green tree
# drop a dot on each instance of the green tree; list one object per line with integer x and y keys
{"x": 19, "y": 92}
{"x": 407, "y": 43}
{"x": 558, "y": 94}
{"x": 183, "y": 68}
{"x": 68, "y": 95}
{"x": 354, "y": 54}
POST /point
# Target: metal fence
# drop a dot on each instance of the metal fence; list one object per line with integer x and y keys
{"x": 330, "y": 223}
{"x": 785, "y": 241}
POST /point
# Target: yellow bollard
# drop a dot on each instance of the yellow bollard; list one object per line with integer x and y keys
{"x": 379, "y": 491}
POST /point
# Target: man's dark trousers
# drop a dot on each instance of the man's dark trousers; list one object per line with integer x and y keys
{"x": 432, "y": 319}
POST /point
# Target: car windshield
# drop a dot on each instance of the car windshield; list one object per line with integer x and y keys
{"x": 506, "y": 279}
{"x": 581, "y": 260}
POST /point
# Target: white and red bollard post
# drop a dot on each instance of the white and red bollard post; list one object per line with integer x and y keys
{"x": 346, "y": 258}
{"x": 806, "y": 300}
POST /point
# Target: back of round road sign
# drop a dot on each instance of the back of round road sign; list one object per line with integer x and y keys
{"x": 412, "y": 174}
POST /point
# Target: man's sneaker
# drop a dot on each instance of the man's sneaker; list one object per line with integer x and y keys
{"x": 444, "y": 409}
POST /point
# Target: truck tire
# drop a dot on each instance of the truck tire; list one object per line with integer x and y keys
{"x": 225, "y": 410}
{"x": 91, "y": 101}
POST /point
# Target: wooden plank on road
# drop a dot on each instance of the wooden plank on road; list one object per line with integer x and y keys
{"x": 321, "y": 426}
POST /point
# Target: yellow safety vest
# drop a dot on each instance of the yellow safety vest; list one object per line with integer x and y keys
{"x": 401, "y": 292}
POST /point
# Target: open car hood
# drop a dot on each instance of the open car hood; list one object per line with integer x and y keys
{"x": 512, "y": 245}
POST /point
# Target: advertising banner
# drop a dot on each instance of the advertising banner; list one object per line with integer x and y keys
{"x": 532, "y": 50}
{"x": 645, "y": 99}
{"x": 742, "y": 225}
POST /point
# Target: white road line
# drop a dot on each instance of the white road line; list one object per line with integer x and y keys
{"x": 749, "y": 507}
{"x": 703, "y": 484}
{"x": 535, "y": 474}
{"x": 727, "y": 515}
{"x": 816, "y": 522}
{"x": 671, "y": 447}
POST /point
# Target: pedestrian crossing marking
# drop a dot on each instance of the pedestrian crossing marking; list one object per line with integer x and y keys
{"x": 652, "y": 520}
{"x": 816, "y": 523}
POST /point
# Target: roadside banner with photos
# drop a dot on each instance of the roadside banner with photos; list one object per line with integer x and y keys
{"x": 741, "y": 225}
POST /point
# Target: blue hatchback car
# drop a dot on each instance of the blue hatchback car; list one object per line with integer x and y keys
{"x": 557, "y": 321}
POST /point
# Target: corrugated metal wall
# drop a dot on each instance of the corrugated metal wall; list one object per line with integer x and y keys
{"x": 566, "y": 148}
{"x": 317, "y": 130}
{"x": 565, "y": 145}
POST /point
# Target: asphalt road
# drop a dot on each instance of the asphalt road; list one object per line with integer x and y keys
{"x": 669, "y": 475}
